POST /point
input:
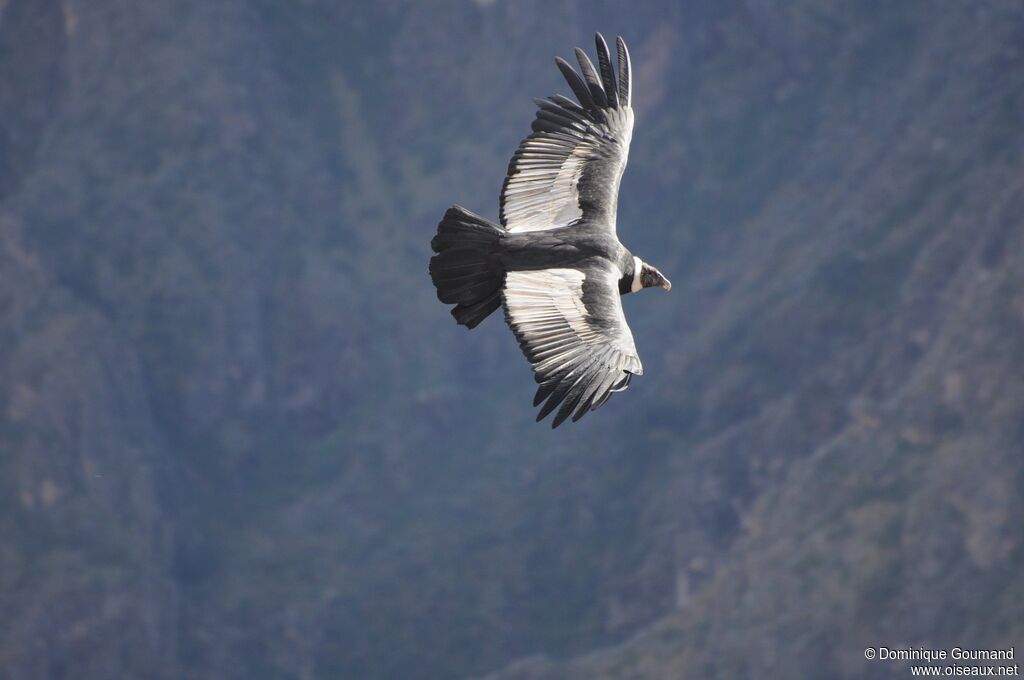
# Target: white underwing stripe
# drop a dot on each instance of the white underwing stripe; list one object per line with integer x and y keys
{"x": 559, "y": 334}
{"x": 554, "y": 295}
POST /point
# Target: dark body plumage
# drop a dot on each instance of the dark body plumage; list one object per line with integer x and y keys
{"x": 556, "y": 263}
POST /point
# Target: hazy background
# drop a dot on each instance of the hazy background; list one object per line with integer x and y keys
{"x": 240, "y": 438}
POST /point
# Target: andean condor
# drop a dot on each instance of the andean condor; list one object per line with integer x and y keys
{"x": 556, "y": 263}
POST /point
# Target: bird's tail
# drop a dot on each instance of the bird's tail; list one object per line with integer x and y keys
{"x": 464, "y": 271}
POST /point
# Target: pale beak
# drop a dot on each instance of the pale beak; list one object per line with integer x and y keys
{"x": 667, "y": 285}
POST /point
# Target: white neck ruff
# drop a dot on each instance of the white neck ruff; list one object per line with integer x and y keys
{"x": 638, "y": 266}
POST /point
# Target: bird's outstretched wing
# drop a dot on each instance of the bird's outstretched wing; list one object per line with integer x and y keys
{"x": 570, "y": 325}
{"x": 570, "y": 166}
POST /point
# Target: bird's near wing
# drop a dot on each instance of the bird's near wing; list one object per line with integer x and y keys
{"x": 570, "y": 325}
{"x": 570, "y": 167}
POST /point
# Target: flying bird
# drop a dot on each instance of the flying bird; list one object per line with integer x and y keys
{"x": 556, "y": 264}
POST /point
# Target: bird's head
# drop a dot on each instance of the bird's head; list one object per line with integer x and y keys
{"x": 646, "y": 276}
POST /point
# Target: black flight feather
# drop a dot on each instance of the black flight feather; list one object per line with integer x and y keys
{"x": 572, "y": 399}
{"x": 579, "y": 88}
{"x": 590, "y": 75}
{"x": 625, "y": 84}
{"x": 607, "y": 73}
{"x": 567, "y": 103}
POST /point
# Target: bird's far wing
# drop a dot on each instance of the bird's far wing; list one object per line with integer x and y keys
{"x": 570, "y": 166}
{"x": 570, "y": 325}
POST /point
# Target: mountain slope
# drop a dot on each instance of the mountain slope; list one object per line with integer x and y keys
{"x": 240, "y": 437}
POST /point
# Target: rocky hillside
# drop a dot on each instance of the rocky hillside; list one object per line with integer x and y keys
{"x": 239, "y": 437}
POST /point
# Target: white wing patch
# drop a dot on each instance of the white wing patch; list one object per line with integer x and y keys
{"x": 543, "y": 193}
{"x": 538, "y": 299}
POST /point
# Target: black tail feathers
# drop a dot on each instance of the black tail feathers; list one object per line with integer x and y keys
{"x": 464, "y": 270}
